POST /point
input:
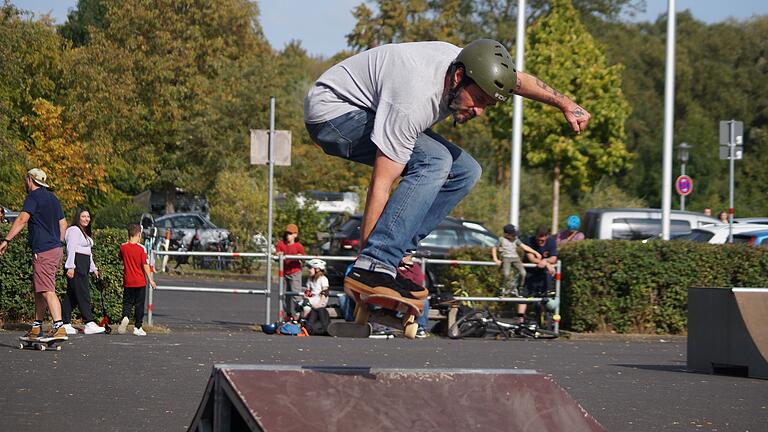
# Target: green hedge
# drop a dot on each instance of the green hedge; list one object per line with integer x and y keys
{"x": 629, "y": 287}
{"x": 16, "y": 298}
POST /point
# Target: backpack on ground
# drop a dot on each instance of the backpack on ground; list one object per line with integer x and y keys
{"x": 292, "y": 329}
{"x": 317, "y": 322}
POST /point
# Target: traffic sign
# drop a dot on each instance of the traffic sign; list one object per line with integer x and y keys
{"x": 684, "y": 185}
{"x": 731, "y": 127}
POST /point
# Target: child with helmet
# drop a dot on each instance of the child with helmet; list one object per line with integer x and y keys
{"x": 571, "y": 233}
{"x": 508, "y": 244}
{"x": 316, "y": 293}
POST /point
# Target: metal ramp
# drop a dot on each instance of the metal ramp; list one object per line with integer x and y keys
{"x": 291, "y": 398}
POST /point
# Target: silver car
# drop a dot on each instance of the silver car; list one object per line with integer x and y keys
{"x": 185, "y": 227}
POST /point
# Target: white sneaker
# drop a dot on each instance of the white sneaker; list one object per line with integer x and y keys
{"x": 139, "y": 332}
{"x": 123, "y": 324}
{"x": 69, "y": 329}
{"x": 92, "y": 328}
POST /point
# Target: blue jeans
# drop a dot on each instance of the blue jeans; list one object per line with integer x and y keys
{"x": 438, "y": 175}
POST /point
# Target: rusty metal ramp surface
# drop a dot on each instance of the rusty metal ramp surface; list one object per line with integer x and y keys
{"x": 286, "y": 398}
{"x": 753, "y": 306}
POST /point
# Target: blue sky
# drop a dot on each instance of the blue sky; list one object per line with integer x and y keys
{"x": 322, "y": 25}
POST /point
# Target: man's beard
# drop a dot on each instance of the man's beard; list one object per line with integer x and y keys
{"x": 454, "y": 108}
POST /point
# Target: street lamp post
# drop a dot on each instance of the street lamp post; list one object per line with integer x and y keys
{"x": 682, "y": 156}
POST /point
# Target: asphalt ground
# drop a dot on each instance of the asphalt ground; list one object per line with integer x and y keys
{"x": 127, "y": 383}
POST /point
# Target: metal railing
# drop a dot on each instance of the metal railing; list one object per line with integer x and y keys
{"x": 282, "y": 293}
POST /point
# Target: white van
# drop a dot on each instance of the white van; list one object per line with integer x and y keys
{"x": 638, "y": 223}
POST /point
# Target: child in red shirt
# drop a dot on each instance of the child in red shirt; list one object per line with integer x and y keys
{"x": 290, "y": 245}
{"x": 135, "y": 269}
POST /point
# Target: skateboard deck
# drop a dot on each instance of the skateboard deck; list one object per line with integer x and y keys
{"x": 385, "y": 298}
{"x": 350, "y": 330}
{"x": 41, "y": 344}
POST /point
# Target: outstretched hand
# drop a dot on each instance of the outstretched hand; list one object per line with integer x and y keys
{"x": 577, "y": 117}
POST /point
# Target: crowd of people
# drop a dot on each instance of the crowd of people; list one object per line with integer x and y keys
{"x": 49, "y": 236}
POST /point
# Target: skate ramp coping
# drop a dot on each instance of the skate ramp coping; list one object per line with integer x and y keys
{"x": 727, "y": 332}
{"x": 294, "y": 398}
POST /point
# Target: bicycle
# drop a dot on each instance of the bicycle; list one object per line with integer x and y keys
{"x": 478, "y": 323}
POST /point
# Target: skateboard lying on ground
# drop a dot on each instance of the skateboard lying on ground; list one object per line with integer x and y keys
{"x": 41, "y": 344}
{"x": 345, "y": 329}
{"x": 384, "y": 298}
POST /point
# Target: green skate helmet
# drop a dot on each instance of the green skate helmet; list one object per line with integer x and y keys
{"x": 490, "y": 66}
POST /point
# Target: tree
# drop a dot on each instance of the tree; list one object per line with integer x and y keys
{"x": 54, "y": 147}
{"x": 87, "y": 14}
{"x": 562, "y": 53}
{"x": 182, "y": 83}
{"x": 30, "y": 55}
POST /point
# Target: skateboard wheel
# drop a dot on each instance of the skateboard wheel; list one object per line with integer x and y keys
{"x": 41, "y": 347}
{"x": 410, "y": 329}
{"x": 21, "y": 345}
{"x": 58, "y": 348}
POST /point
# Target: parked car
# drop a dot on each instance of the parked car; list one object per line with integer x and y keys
{"x": 752, "y": 220}
{"x": 755, "y": 238}
{"x": 10, "y": 216}
{"x": 638, "y": 223}
{"x": 450, "y": 234}
{"x": 718, "y": 234}
{"x": 188, "y": 230}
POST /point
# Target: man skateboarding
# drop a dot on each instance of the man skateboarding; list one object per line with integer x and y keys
{"x": 43, "y": 212}
{"x": 377, "y": 108}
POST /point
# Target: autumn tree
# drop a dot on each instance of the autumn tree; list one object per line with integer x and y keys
{"x": 54, "y": 147}
{"x": 173, "y": 88}
{"x": 30, "y": 67}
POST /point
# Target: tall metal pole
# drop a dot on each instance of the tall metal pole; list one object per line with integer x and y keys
{"x": 731, "y": 158}
{"x": 682, "y": 197}
{"x": 669, "y": 117}
{"x": 517, "y": 123}
{"x": 271, "y": 165}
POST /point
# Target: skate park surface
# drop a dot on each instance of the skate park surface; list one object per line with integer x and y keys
{"x": 128, "y": 383}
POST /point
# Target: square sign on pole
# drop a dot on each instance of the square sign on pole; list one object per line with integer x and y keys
{"x": 260, "y": 147}
{"x": 738, "y": 152}
{"x": 731, "y": 134}
{"x": 725, "y": 132}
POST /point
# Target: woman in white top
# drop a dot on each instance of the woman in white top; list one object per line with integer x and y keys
{"x": 78, "y": 266}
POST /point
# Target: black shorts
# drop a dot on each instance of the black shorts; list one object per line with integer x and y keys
{"x": 536, "y": 286}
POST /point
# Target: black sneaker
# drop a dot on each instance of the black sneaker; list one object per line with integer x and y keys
{"x": 414, "y": 290}
{"x": 365, "y": 281}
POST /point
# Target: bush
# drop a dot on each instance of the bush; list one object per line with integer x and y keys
{"x": 627, "y": 287}
{"x": 17, "y": 301}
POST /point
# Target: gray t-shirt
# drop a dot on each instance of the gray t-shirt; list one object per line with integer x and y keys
{"x": 402, "y": 83}
{"x": 508, "y": 249}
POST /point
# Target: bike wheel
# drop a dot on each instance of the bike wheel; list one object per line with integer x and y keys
{"x": 535, "y": 332}
{"x": 470, "y": 325}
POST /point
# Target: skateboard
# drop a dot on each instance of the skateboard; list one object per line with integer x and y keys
{"x": 385, "y": 298}
{"x": 41, "y": 344}
{"x": 349, "y": 330}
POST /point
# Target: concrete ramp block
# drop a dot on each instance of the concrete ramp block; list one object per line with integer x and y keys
{"x": 286, "y": 399}
{"x": 727, "y": 332}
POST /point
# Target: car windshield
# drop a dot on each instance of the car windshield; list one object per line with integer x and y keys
{"x": 441, "y": 238}
{"x": 696, "y": 235}
{"x": 475, "y": 238}
{"x": 641, "y": 229}
{"x": 189, "y": 222}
